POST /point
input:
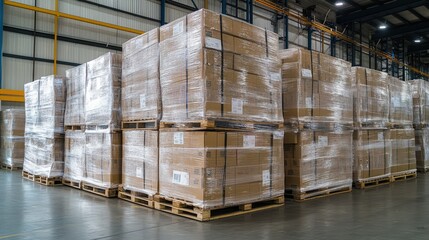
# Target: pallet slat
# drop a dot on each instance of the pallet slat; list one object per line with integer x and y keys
{"x": 317, "y": 193}
{"x": 139, "y": 198}
{"x": 318, "y": 125}
{"x": 10, "y": 167}
{"x": 72, "y": 183}
{"x": 102, "y": 191}
{"x": 367, "y": 183}
{"x": 188, "y": 210}
{"x": 219, "y": 125}
{"x": 406, "y": 175}
{"x": 74, "y": 128}
{"x": 140, "y": 124}
{"x": 47, "y": 181}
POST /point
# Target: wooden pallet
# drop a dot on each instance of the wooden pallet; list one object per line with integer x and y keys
{"x": 107, "y": 127}
{"x": 318, "y": 126}
{"x": 422, "y": 170}
{"x": 102, "y": 191}
{"x": 420, "y": 126}
{"x": 10, "y": 167}
{"x": 373, "y": 182}
{"x": 188, "y": 210}
{"x": 219, "y": 125}
{"x": 399, "y": 126}
{"x": 370, "y": 125}
{"x": 317, "y": 193}
{"x": 47, "y": 181}
{"x": 136, "y": 197}
{"x": 140, "y": 125}
{"x": 405, "y": 175}
{"x": 72, "y": 183}
{"x": 74, "y": 128}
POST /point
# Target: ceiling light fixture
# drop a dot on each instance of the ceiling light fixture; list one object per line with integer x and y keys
{"x": 339, "y": 3}
{"x": 418, "y": 40}
{"x": 382, "y": 26}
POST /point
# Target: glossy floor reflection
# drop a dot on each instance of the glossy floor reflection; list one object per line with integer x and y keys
{"x": 32, "y": 211}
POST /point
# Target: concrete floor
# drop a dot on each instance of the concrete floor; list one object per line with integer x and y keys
{"x": 32, "y": 211}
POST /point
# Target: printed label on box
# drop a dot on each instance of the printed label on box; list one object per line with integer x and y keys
{"x": 278, "y": 134}
{"x": 306, "y": 73}
{"x": 178, "y": 138}
{"x": 178, "y": 28}
{"x": 139, "y": 172}
{"x": 213, "y": 43}
{"x": 266, "y": 178}
{"x": 308, "y": 102}
{"x": 275, "y": 76}
{"x": 322, "y": 141}
{"x": 249, "y": 141}
{"x": 181, "y": 178}
{"x": 237, "y": 106}
{"x": 380, "y": 136}
{"x": 142, "y": 100}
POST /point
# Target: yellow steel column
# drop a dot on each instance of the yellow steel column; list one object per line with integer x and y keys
{"x": 56, "y": 36}
{"x": 206, "y": 4}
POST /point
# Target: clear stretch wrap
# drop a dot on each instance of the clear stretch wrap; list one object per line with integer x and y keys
{"x": 12, "y": 137}
{"x": 316, "y": 160}
{"x": 103, "y": 93}
{"x": 372, "y": 155}
{"x": 103, "y": 159}
{"x": 316, "y": 88}
{"x": 44, "y": 126}
{"x": 370, "y": 96}
{"x": 403, "y": 150}
{"x": 74, "y": 155}
{"x": 401, "y": 102}
{"x": 422, "y": 149}
{"x": 140, "y": 161}
{"x": 75, "y": 102}
{"x": 216, "y": 169}
{"x": 420, "y": 92}
{"x": 216, "y": 67}
{"x": 141, "y": 95}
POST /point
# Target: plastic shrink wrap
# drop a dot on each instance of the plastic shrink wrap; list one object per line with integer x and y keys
{"x": 403, "y": 150}
{"x": 316, "y": 88}
{"x": 103, "y": 93}
{"x": 420, "y": 93}
{"x": 12, "y": 137}
{"x": 401, "y": 102}
{"x": 216, "y": 67}
{"x": 140, "y": 161}
{"x": 44, "y": 127}
{"x": 141, "y": 96}
{"x": 316, "y": 160}
{"x": 74, "y": 155}
{"x": 422, "y": 151}
{"x": 75, "y": 107}
{"x": 371, "y": 97}
{"x": 216, "y": 169}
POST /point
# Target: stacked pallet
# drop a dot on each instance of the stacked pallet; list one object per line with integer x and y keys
{"x": 103, "y": 140}
{"x": 420, "y": 94}
{"x": 371, "y": 148}
{"x": 74, "y": 124}
{"x": 12, "y": 138}
{"x": 44, "y": 130}
{"x": 317, "y": 107}
{"x": 220, "y": 85}
{"x": 141, "y": 111}
{"x": 401, "y": 133}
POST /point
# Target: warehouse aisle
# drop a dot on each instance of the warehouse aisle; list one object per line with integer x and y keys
{"x": 32, "y": 211}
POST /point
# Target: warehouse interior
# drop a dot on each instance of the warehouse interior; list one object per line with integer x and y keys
{"x": 214, "y": 119}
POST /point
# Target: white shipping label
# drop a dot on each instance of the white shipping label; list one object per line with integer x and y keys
{"x": 308, "y": 102}
{"x": 139, "y": 172}
{"x": 213, "y": 43}
{"x": 181, "y": 178}
{"x": 278, "y": 134}
{"x": 266, "y": 178}
{"x": 237, "y": 106}
{"x": 249, "y": 141}
{"x": 178, "y": 28}
{"x": 142, "y": 100}
{"x": 275, "y": 76}
{"x": 306, "y": 73}
{"x": 380, "y": 136}
{"x": 178, "y": 138}
{"x": 322, "y": 141}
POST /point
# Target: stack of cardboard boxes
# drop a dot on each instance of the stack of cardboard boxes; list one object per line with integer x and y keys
{"x": 141, "y": 103}
{"x": 103, "y": 143}
{"x": 44, "y": 127}
{"x": 420, "y": 94}
{"x": 317, "y": 107}
{"x": 401, "y": 132}
{"x": 372, "y": 160}
{"x": 212, "y": 68}
{"x": 12, "y": 138}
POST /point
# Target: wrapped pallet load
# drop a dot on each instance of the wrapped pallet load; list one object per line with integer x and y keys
{"x": 12, "y": 138}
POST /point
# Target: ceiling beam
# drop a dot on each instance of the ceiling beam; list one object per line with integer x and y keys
{"x": 404, "y": 30}
{"x": 381, "y": 11}
{"x": 418, "y": 15}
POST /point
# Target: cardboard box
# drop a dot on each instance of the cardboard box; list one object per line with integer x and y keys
{"x": 215, "y": 169}
{"x": 422, "y": 149}
{"x": 316, "y": 87}
{"x": 401, "y": 102}
{"x": 420, "y": 93}
{"x": 370, "y": 96}
{"x": 141, "y": 96}
{"x": 103, "y": 159}
{"x": 140, "y": 161}
{"x": 208, "y": 72}
{"x": 75, "y": 101}
{"x": 372, "y": 154}
{"x": 403, "y": 150}
{"x": 317, "y": 160}
{"x": 74, "y": 155}
{"x": 12, "y": 137}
